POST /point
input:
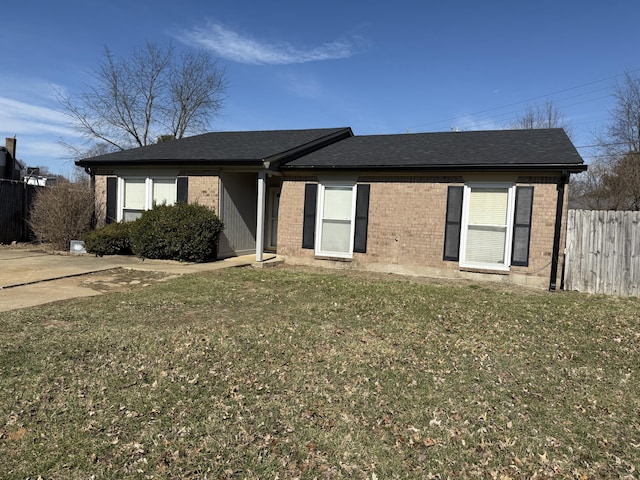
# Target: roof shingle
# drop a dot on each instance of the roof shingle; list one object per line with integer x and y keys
{"x": 250, "y": 147}
{"x": 475, "y": 149}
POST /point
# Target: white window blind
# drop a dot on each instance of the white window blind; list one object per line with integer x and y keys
{"x": 487, "y": 226}
{"x": 164, "y": 191}
{"x": 488, "y": 206}
{"x": 140, "y": 194}
{"x": 134, "y": 193}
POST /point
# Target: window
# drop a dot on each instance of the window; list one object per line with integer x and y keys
{"x": 164, "y": 191}
{"x": 336, "y": 215}
{"x": 488, "y": 225}
{"x": 336, "y": 218}
{"x": 487, "y": 213}
{"x": 134, "y": 198}
{"x": 142, "y": 193}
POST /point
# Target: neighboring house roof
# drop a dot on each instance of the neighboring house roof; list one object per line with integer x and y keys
{"x": 475, "y": 150}
{"x": 224, "y": 148}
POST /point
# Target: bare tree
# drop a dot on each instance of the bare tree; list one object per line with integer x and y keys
{"x": 588, "y": 190}
{"x": 546, "y": 115}
{"x": 623, "y": 184}
{"x": 619, "y": 144}
{"x": 155, "y": 92}
{"x": 622, "y": 134}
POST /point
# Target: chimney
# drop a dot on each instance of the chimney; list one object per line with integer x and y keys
{"x": 11, "y": 146}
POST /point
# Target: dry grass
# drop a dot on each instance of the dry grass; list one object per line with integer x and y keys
{"x": 291, "y": 374}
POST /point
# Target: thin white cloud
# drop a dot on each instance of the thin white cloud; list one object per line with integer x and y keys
{"x": 21, "y": 117}
{"x": 28, "y": 112}
{"x": 231, "y": 45}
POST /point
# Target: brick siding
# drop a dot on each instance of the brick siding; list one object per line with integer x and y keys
{"x": 202, "y": 190}
{"x": 406, "y": 228}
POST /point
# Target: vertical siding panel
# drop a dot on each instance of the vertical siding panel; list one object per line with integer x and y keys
{"x": 238, "y": 209}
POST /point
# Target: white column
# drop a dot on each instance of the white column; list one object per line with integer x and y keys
{"x": 262, "y": 176}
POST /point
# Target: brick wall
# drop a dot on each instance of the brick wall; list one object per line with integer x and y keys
{"x": 290, "y": 215}
{"x": 204, "y": 190}
{"x": 406, "y": 228}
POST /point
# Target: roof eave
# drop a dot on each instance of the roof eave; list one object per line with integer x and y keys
{"x": 571, "y": 168}
{"x": 170, "y": 162}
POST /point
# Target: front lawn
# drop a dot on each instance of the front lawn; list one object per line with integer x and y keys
{"x": 284, "y": 373}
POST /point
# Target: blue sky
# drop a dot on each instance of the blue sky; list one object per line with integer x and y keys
{"x": 378, "y": 67}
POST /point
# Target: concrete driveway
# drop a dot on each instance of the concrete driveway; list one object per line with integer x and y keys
{"x": 30, "y": 276}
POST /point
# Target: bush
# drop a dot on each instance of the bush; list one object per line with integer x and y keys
{"x": 177, "y": 232}
{"x": 62, "y": 213}
{"x": 113, "y": 239}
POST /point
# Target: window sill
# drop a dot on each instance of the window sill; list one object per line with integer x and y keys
{"x": 490, "y": 271}
{"x": 334, "y": 259}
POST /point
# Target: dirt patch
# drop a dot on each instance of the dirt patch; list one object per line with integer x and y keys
{"x": 54, "y": 323}
{"x": 123, "y": 279}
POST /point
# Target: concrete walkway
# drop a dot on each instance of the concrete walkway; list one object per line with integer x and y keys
{"x": 29, "y": 276}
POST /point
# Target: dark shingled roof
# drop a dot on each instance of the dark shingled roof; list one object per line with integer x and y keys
{"x": 224, "y": 148}
{"x": 476, "y": 150}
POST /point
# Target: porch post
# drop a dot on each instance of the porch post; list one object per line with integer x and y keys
{"x": 262, "y": 176}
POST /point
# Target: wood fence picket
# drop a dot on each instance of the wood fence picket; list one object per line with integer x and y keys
{"x": 603, "y": 252}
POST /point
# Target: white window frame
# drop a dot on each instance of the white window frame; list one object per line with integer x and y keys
{"x": 148, "y": 194}
{"x": 466, "y": 203}
{"x": 322, "y": 186}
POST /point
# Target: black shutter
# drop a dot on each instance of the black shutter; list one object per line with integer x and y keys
{"x": 522, "y": 226}
{"x": 453, "y": 223}
{"x": 112, "y": 200}
{"x": 182, "y": 194}
{"x": 309, "y": 222}
{"x": 362, "y": 218}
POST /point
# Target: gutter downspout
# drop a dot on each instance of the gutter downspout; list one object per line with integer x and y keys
{"x": 564, "y": 179}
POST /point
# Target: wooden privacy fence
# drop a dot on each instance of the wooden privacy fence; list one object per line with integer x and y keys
{"x": 603, "y": 252}
{"x": 15, "y": 203}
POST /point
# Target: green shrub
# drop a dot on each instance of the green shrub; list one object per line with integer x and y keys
{"x": 185, "y": 232}
{"x": 112, "y": 239}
